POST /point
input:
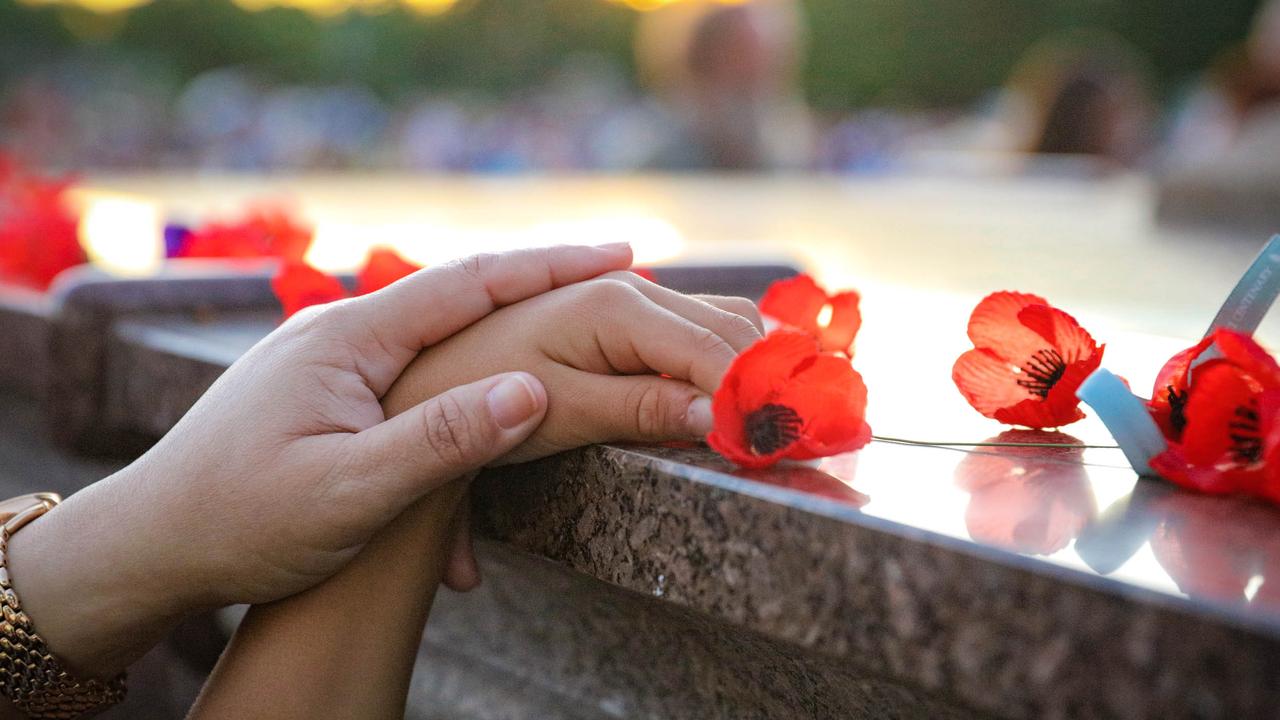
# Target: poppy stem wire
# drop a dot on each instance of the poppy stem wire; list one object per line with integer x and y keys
{"x": 924, "y": 443}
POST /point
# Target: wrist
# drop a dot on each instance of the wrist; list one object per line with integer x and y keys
{"x": 87, "y": 578}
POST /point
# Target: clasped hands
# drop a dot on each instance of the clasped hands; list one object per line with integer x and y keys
{"x": 291, "y": 462}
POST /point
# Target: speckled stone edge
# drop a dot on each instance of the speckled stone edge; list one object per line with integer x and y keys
{"x": 996, "y": 636}
{"x": 538, "y": 640}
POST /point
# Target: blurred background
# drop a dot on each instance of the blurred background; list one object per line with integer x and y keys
{"x": 935, "y": 148}
{"x": 516, "y": 86}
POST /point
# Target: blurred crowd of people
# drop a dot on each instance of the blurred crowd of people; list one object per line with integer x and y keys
{"x": 717, "y": 89}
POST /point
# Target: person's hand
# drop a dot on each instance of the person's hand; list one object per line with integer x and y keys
{"x": 601, "y": 348}
{"x": 622, "y": 359}
{"x": 287, "y": 466}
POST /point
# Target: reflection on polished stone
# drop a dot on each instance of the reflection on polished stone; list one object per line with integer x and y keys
{"x": 1220, "y": 548}
{"x": 813, "y": 481}
{"x": 1027, "y": 499}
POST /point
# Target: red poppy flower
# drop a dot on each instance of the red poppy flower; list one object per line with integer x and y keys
{"x": 1169, "y": 395}
{"x": 266, "y": 232}
{"x": 800, "y": 303}
{"x": 1028, "y": 499}
{"x": 1029, "y": 358}
{"x": 39, "y": 234}
{"x": 299, "y": 286}
{"x": 1220, "y": 416}
{"x": 783, "y": 398}
{"x": 382, "y": 268}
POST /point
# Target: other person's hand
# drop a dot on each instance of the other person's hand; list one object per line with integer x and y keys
{"x": 287, "y": 465}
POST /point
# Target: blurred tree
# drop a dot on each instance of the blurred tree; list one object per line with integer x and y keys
{"x": 926, "y": 53}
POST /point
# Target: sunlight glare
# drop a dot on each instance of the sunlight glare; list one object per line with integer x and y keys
{"x": 653, "y": 240}
{"x": 122, "y": 235}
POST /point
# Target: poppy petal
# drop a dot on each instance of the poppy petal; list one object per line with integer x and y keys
{"x": 383, "y": 267}
{"x": 994, "y": 325}
{"x": 299, "y": 286}
{"x": 846, "y": 320}
{"x": 796, "y": 301}
{"x": 1269, "y": 414}
{"x": 988, "y": 381}
{"x": 1222, "y": 416}
{"x": 39, "y": 233}
{"x": 765, "y": 368}
{"x": 831, "y": 398}
{"x": 799, "y": 302}
{"x": 266, "y": 232}
{"x": 1245, "y": 352}
{"x": 1223, "y": 444}
{"x": 1060, "y": 330}
{"x": 1174, "y": 372}
{"x": 1172, "y": 465}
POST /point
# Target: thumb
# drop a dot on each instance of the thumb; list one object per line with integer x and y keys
{"x": 452, "y": 434}
{"x": 632, "y": 408}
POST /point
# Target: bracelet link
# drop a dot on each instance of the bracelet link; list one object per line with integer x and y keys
{"x": 30, "y": 676}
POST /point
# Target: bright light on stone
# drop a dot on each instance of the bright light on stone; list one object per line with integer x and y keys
{"x": 338, "y": 247}
{"x": 122, "y": 235}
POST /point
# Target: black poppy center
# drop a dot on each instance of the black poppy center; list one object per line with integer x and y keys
{"x": 1043, "y": 371}
{"x": 1246, "y": 434}
{"x": 772, "y": 428}
{"x": 1177, "y": 410}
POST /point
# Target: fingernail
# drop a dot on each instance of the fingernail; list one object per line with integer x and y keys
{"x": 698, "y": 418}
{"x": 615, "y": 246}
{"x": 512, "y": 401}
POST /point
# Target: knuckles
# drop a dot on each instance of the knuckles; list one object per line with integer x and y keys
{"x": 747, "y": 311}
{"x": 475, "y": 267}
{"x": 711, "y": 344}
{"x": 607, "y": 293}
{"x": 741, "y": 328}
{"x": 651, "y": 411}
{"x": 450, "y": 432}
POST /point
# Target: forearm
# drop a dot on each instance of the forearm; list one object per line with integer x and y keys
{"x": 98, "y": 578}
{"x": 346, "y": 648}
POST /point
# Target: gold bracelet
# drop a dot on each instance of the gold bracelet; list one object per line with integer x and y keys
{"x": 30, "y": 676}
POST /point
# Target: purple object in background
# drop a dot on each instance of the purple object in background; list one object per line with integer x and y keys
{"x": 174, "y": 236}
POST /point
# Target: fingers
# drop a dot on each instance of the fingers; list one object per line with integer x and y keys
{"x": 461, "y": 573}
{"x": 640, "y": 408}
{"x": 435, "y": 303}
{"x": 445, "y": 437}
{"x": 648, "y": 338}
{"x": 736, "y": 320}
{"x": 738, "y": 306}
